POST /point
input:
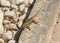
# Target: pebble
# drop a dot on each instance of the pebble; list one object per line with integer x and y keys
{"x": 7, "y": 36}
{"x": 5, "y": 3}
{"x": 13, "y": 26}
{"x": 20, "y": 23}
{"x": 15, "y": 18}
{"x": 1, "y": 20}
{"x": 26, "y": 9}
{"x": 1, "y": 16}
{"x": 19, "y": 1}
{"x": 11, "y": 41}
{"x": 12, "y": 1}
{"x": 10, "y": 13}
{"x": 2, "y": 41}
{"x": 7, "y": 26}
{"x": 16, "y": 9}
{"x": 21, "y": 7}
{"x": 6, "y": 22}
{"x": 31, "y": 1}
{"x": 26, "y": 2}
{"x": 1, "y": 29}
{"x": 5, "y": 9}
{"x": 22, "y": 17}
{"x": 14, "y": 6}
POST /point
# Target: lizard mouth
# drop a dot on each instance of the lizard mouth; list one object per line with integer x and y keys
{"x": 13, "y": 17}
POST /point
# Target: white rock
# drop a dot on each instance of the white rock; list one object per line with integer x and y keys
{"x": 20, "y": 41}
{"x": 7, "y": 26}
{"x": 7, "y": 36}
{"x": 31, "y": 1}
{"x": 15, "y": 18}
{"x": 13, "y": 27}
{"x": 1, "y": 21}
{"x": 5, "y": 9}
{"x": 10, "y": 13}
{"x": 14, "y": 6}
{"x": 26, "y": 2}
{"x": 2, "y": 41}
{"x": 12, "y": 1}
{"x": 26, "y": 9}
{"x": 1, "y": 29}
{"x": 22, "y": 7}
{"x": 22, "y": 17}
{"x": 6, "y": 22}
{"x": 5, "y": 3}
{"x": 11, "y": 41}
{"x": 1, "y": 16}
{"x": 19, "y": 1}
{"x": 20, "y": 23}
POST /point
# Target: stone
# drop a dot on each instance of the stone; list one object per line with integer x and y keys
{"x": 31, "y": 1}
{"x": 22, "y": 17}
{"x": 6, "y": 22}
{"x": 10, "y": 13}
{"x": 5, "y": 3}
{"x": 14, "y": 6}
{"x": 26, "y": 2}
{"x": 20, "y": 23}
{"x": 21, "y": 7}
{"x": 26, "y": 9}
{"x": 13, "y": 27}
{"x": 7, "y": 35}
{"x": 1, "y": 29}
{"x": 1, "y": 16}
{"x": 2, "y": 41}
{"x": 7, "y": 26}
{"x": 19, "y": 1}
{"x": 11, "y": 41}
{"x": 5, "y": 9}
{"x": 1, "y": 21}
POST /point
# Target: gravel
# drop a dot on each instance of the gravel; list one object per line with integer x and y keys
{"x": 12, "y": 12}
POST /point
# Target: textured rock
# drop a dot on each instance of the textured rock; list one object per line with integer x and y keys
{"x": 11, "y": 41}
{"x": 2, "y": 41}
{"x": 21, "y": 7}
{"x": 5, "y": 3}
{"x": 7, "y": 36}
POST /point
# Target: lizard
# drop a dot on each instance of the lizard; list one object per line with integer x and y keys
{"x": 17, "y": 35}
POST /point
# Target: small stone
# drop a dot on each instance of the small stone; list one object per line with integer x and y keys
{"x": 14, "y": 32}
{"x": 19, "y": 1}
{"x": 5, "y": 3}
{"x": 6, "y": 26}
{"x": 7, "y": 36}
{"x": 20, "y": 41}
{"x": 1, "y": 29}
{"x": 26, "y": 9}
{"x": 15, "y": 18}
{"x": 2, "y": 41}
{"x": 11, "y": 41}
{"x": 14, "y": 6}
{"x": 22, "y": 17}
{"x": 31, "y": 1}
{"x": 10, "y": 13}
{"x": 13, "y": 27}
{"x": 26, "y": 2}
{"x": 6, "y": 22}
{"x": 21, "y": 7}
{"x": 20, "y": 23}
{"x": 5, "y": 9}
{"x": 13, "y": 1}
{"x": 1, "y": 16}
